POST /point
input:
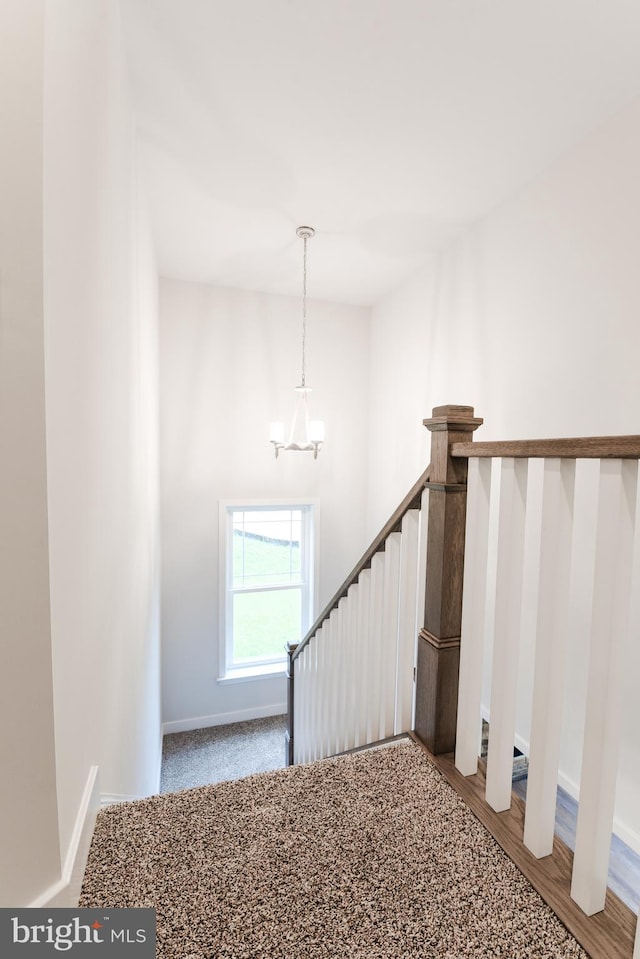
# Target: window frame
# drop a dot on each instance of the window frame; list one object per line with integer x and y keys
{"x": 230, "y": 671}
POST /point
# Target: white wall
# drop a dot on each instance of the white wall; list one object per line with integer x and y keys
{"x": 79, "y": 611}
{"x": 229, "y": 362}
{"x": 533, "y": 319}
{"x": 101, "y": 321}
{"x": 28, "y": 808}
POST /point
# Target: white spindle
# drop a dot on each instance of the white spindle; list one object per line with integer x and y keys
{"x": 308, "y": 705}
{"x": 299, "y": 701}
{"x": 609, "y": 638}
{"x": 407, "y": 621}
{"x": 334, "y": 721}
{"x": 421, "y": 590}
{"x": 321, "y": 699}
{"x": 474, "y": 597}
{"x": 304, "y": 705}
{"x": 299, "y": 709}
{"x": 351, "y": 674}
{"x": 390, "y": 611}
{"x": 362, "y": 629}
{"x": 326, "y": 669}
{"x": 504, "y": 675}
{"x": 550, "y": 654}
{"x": 341, "y": 685}
{"x": 332, "y": 696}
{"x": 314, "y": 731}
{"x": 372, "y": 664}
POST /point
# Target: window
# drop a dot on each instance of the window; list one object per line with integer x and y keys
{"x": 268, "y": 584}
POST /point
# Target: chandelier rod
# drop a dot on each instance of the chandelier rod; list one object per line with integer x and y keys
{"x": 305, "y": 232}
{"x": 304, "y": 307}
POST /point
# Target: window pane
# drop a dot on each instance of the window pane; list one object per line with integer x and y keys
{"x": 264, "y": 622}
{"x": 266, "y": 547}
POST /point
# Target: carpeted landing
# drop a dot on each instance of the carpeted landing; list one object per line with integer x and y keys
{"x": 217, "y": 753}
{"x": 370, "y": 855}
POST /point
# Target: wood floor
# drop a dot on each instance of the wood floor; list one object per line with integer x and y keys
{"x": 624, "y": 865}
{"x": 607, "y": 935}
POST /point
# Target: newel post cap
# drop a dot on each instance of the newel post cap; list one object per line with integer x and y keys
{"x": 455, "y": 418}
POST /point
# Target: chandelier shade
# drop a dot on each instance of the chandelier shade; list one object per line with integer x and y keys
{"x": 305, "y": 435}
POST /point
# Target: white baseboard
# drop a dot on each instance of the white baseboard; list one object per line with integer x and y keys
{"x": 66, "y": 891}
{"x": 223, "y": 719}
{"x": 56, "y": 896}
{"x": 628, "y": 836}
{"x": 159, "y": 776}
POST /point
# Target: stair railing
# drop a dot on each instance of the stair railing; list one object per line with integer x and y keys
{"x": 351, "y": 679}
{"x": 525, "y": 574}
{"x": 470, "y": 586}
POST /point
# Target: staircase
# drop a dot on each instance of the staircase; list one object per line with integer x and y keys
{"x": 354, "y": 670}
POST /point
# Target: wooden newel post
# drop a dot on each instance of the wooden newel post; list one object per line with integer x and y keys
{"x": 439, "y": 639}
{"x": 288, "y": 756}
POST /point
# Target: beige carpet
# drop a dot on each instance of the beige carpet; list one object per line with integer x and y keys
{"x": 219, "y": 753}
{"x": 371, "y": 855}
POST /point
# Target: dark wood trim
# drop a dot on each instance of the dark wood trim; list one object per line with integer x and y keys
{"x": 438, "y": 642}
{"x": 448, "y": 417}
{"x": 447, "y": 487}
{"x": 400, "y": 737}
{"x": 607, "y": 935}
{"x": 437, "y": 670}
{"x": 411, "y": 501}
{"x": 586, "y": 447}
{"x": 438, "y": 655}
{"x": 288, "y": 739}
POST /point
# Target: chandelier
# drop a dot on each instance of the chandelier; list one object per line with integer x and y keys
{"x": 305, "y": 435}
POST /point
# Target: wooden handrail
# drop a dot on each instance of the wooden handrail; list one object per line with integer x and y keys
{"x": 411, "y": 501}
{"x": 586, "y": 447}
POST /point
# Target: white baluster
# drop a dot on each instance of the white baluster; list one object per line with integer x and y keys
{"x": 504, "y": 674}
{"x": 341, "y": 679}
{"x": 350, "y": 640}
{"x": 329, "y": 686}
{"x": 301, "y": 703}
{"x": 362, "y": 630}
{"x": 374, "y": 648}
{"x": 550, "y": 654}
{"x": 609, "y": 640}
{"x": 324, "y": 672}
{"x": 390, "y": 611}
{"x": 407, "y": 621}
{"x": 474, "y": 598}
{"x": 335, "y": 692}
{"x": 307, "y": 701}
{"x": 314, "y": 728}
{"x": 307, "y": 706}
{"x": 298, "y": 701}
{"x": 301, "y": 706}
{"x": 332, "y": 678}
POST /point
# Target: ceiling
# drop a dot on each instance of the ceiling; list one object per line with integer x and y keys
{"x": 388, "y": 125}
